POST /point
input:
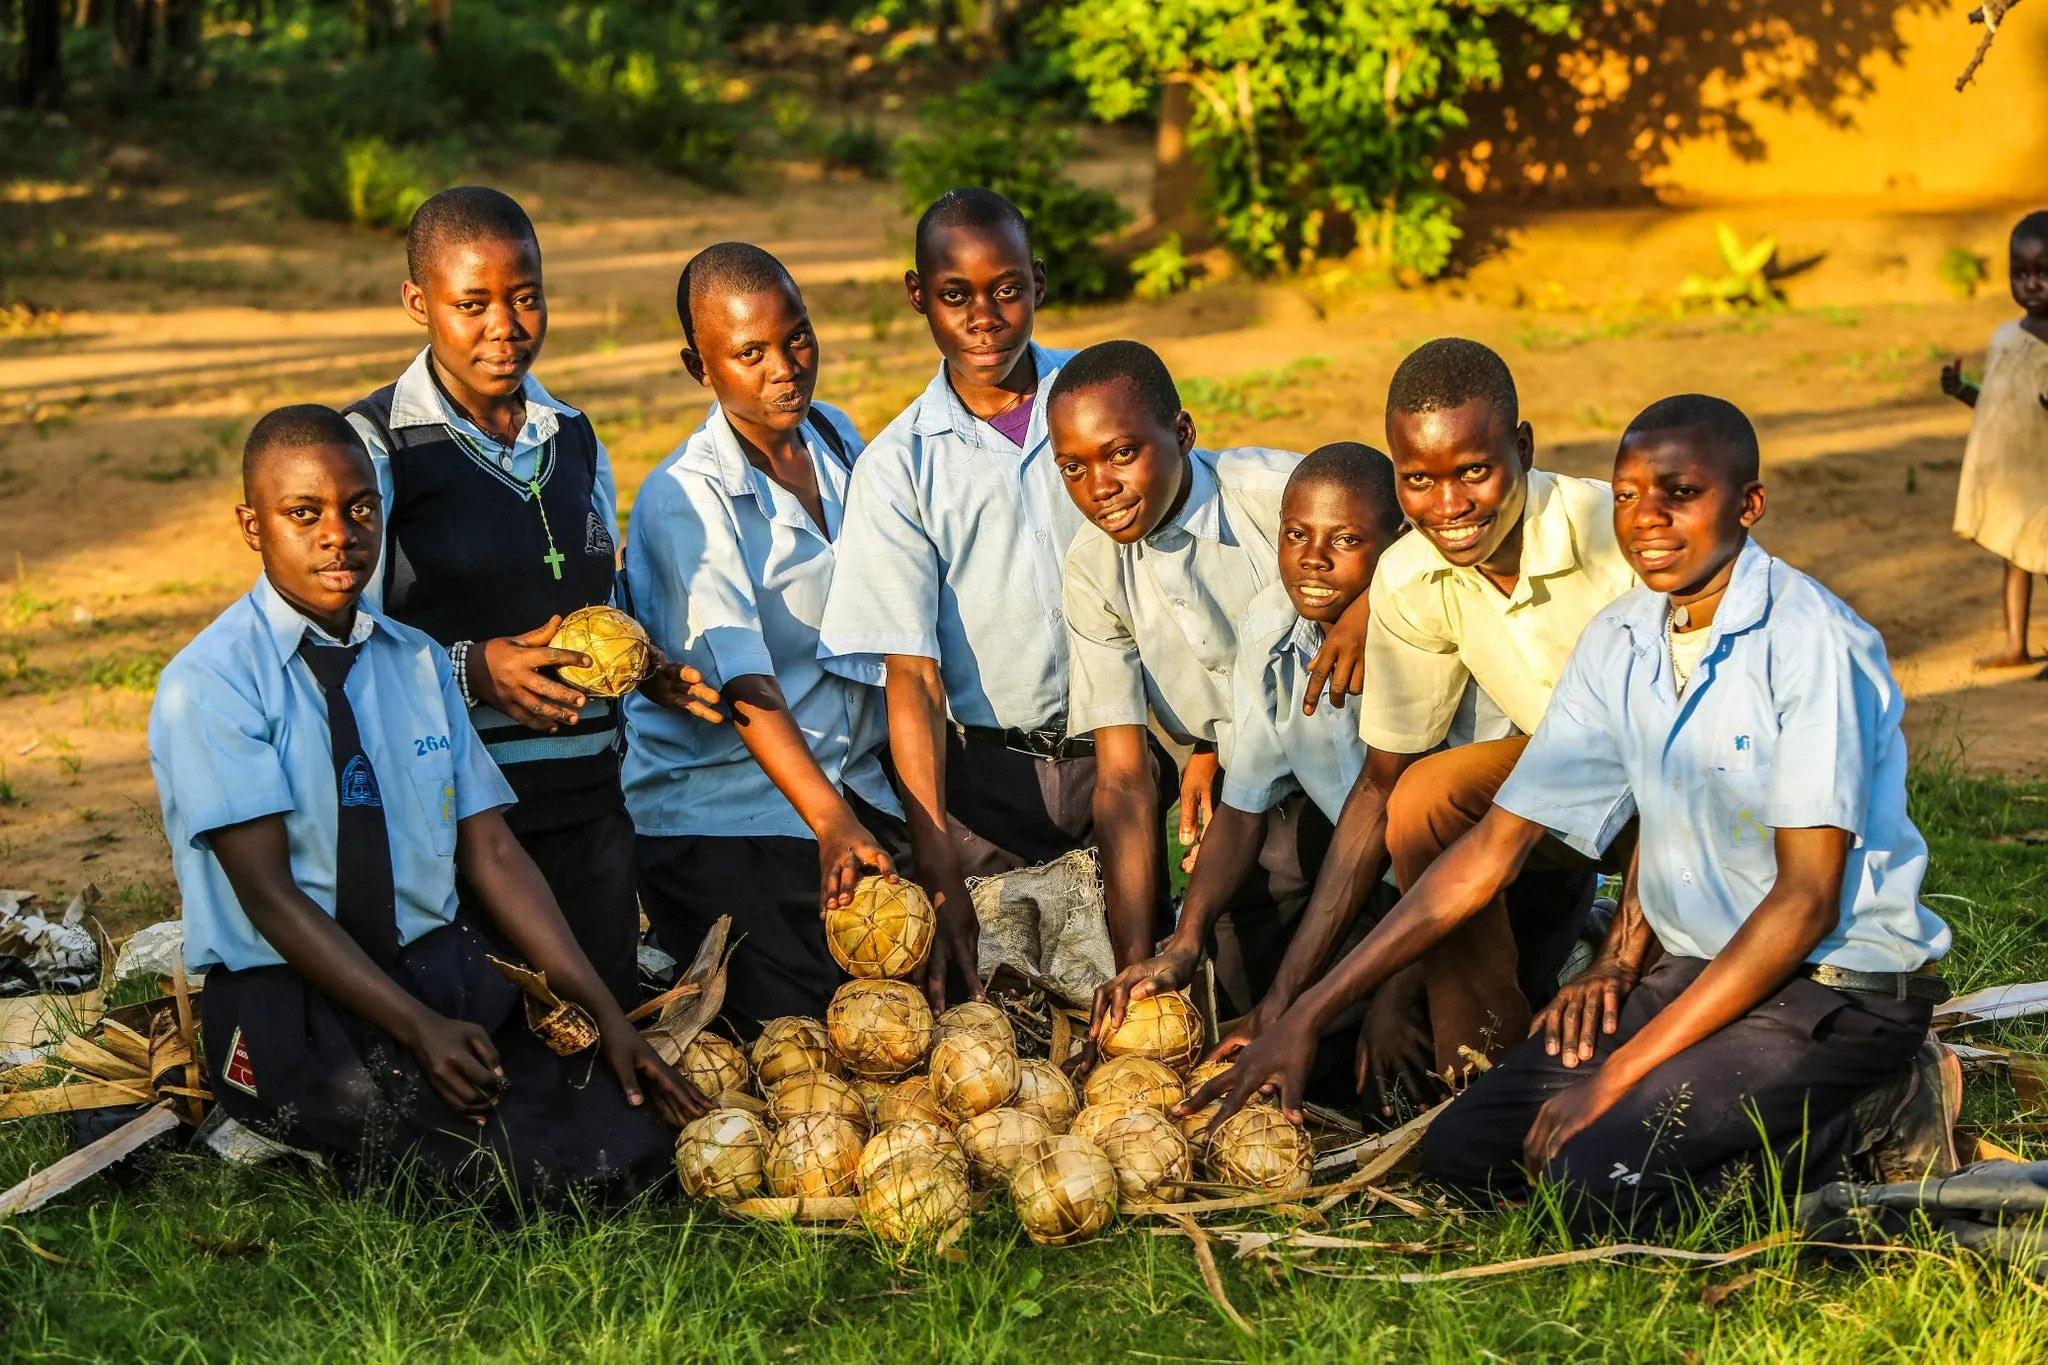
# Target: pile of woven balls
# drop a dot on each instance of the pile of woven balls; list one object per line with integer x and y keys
{"x": 910, "y": 1113}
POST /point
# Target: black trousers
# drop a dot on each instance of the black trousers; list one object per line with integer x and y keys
{"x": 1769, "y": 1095}
{"x": 321, "y": 1077}
{"x": 589, "y": 867}
{"x": 769, "y": 884}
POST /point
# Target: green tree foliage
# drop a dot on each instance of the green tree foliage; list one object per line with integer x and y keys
{"x": 1315, "y": 122}
{"x": 976, "y": 139}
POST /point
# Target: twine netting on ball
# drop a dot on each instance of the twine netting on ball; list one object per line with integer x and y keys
{"x": 1258, "y": 1147}
{"x": 817, "y": 1092}
{"x": 879, "y": 1028}
{"x": 1151, "y": 1157}
{"x": 976, "y": 1016}
{"x": 1164, "y": 1027}
{"x": 899, "y": 1139}
{"x": 886, "y": 931}
{"x": 723, "y": 1155}
{"x": 971, "y": 1075}
{"x": 714, "y": 1065}
{"x": 620, "y": 653}
{"x": 790, "y": 1046}
{"x": 1043, "y": 1089}
{"x": 1065, "y": 1191}
{"x": 814, "y": 1156}
{"x": 908, "y": 1100}
{"x": 1196, "y": 1124}
{"x": 914, "y": 1197}
{"x": 1133, "y": 1078}
{"x": 996, "y": 1142}
{"x": 870, "y": 1093}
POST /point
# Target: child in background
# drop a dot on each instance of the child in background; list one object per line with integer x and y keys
{"x": 2002, "y": 503}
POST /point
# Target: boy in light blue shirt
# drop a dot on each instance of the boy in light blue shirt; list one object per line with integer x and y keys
{"x": 1750, "y": 719}
{"x": 322, "y": 789}
{"x": 729, "y": 562}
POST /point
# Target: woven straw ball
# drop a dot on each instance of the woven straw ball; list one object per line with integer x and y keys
{"x": 1065, "y": 1191}
{"x": 813, "y": 1156}
{"x": 879, "y": 1028}
{"x": 908, "y": 1100}
{"x": 620, "y": 654}
{"x": 997, "y": 1141}
{"x": 971, "y": 1075}
{"x": 900, "y": 1139}
{"x": 723, "y": 1155}
{"x": 1258, "y": 1147}
{"x": 886, "y": 930}
{"x": 1043, "y": 1089}
{"x": 1164, "y": 1027}
{"x": 916, "y": 1196}
{"x": 714, "y": 1065}
{"x": 976, "y": 1016}
{"x": 817, "y": 1092}
{"x": 790, "y": 1046}
{"x": 1149, "y": 1153}
{"x": 870, "y": 1093}
{"x": 1194, "y": 1125}
{"x": 1133, "y": 1078}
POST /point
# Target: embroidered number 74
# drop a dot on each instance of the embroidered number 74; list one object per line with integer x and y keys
{"x": 427, "y": 744}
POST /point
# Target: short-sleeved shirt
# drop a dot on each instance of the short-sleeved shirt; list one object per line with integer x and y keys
{"x": 1791, "y": 722}
{"x": 730, "y": 575}
{"x": 1154, "y": 624}
{"x": 1275, "y": 749}
{"x": 238, "y": 731}
{"x": 952, "y": 549}
{"x": 1436, "y": 626}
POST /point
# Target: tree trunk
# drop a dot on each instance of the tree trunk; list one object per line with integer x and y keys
{"x": 1174, "y": 175}
{"x": 134, "y": 23}
{"x": 181, "y": 25}
{"x": 90, "y": 12}
{"x": 41, "y": 81}
{"x": 439, "y": 12}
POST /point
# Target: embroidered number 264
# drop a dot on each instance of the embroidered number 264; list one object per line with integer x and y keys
{"x": 427, "y": 744}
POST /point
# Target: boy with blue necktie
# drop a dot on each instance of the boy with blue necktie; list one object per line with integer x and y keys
{"x": 322, "y": 789}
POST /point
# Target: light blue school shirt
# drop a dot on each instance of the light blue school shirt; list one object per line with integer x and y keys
{"x": 1276, "y": 750}
{"x": 729, "y": 574}
{"x": 1791, "y": 720}
{"x": 952, "y": 550}
{"x": 239, "y": 731}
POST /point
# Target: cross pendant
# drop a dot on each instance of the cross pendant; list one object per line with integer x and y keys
{"x": 553, "y": 559}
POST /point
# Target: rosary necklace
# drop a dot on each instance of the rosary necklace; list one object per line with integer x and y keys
{"x": 502, "y": 466}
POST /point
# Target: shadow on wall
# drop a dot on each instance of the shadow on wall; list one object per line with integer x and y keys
{"x": 1730, "y": 99}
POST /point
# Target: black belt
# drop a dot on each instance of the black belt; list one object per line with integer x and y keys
{"x": 1924, "y": 986}
{"x": 1050, "y": 744}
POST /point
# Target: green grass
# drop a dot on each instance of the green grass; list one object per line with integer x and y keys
{"x": 185, "y": 1259}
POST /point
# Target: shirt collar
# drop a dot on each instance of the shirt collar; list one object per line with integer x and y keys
{"x": 1646, "y": 615}
{"x": 1201, "y": 515}
{"x": 1549, "y": 543}
{"x": 1306, "y": 640}
{"x": 288, "y": 626}
{"x": 720, "y": 455}
{"x": 940, "y": 410}
{"x": 417, "y": 401}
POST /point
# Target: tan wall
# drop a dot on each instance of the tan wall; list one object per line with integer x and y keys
{"x": 1728, "y": 100}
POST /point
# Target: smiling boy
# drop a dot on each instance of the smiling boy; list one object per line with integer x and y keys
{"x": 1750, "y": 719}
{"x": 322, "y": 791}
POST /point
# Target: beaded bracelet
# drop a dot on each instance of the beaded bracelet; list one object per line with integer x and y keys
{"x": 458, "y": 655}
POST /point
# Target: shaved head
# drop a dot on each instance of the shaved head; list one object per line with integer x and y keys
{"x": 1361, "y": 471}
{"x": 1725, "y": 432}
{"x": 467, "y": 213}
{"x": 302, "y": 426}
{"x": 726, "y": 268}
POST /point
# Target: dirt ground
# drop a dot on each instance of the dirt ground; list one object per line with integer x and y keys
{"x": 186, "y": 309}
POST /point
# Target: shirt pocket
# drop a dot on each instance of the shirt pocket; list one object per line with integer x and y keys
{"x": 1742, "y": 842}
{"x": 433, "y": 787}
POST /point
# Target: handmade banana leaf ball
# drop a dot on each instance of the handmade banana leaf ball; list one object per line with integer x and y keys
{"x": 971, "y": 1075}
{"x": 879, "y": 1028}
{"x": 1164, "y": 1027}
{"x": 996, "y": 1142}
{"x": 886, "y": 931}
{"x": 790, "y": 1046}
{"x": 976, "y": 1016}
{"x": 714, "y": 1065}
{"x": 817, "y": 1092}
{"x": 814, "y": 1156}
{"x": 723, "y": 1155}
{"x": 1151, "y": 1157}
{"x": 621, "y": 656}
{"x": 901, "y": 1139}
{"x": 1133, "y": 1078}
{"x": 1258, "y": 1147}
{"x": 1064, "y": 1191}
{"x": 915, "y": 1197}
{"x": 1043, "y": 1089}
{"x": 871, "y": 1093}
{"x": 909, "y": 1100}
{"x": 1194, "y": 1125}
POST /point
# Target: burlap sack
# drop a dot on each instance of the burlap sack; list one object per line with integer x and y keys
{"x": 1048, "y": 924}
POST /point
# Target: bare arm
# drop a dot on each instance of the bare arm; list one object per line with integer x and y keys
{"x": 1127, "y": 828}
{"x": 917, "y": 742}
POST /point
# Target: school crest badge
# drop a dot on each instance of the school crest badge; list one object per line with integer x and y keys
{"x": 236, "y": 1071}
{"x": 359, "y": 784}
{"x": 596, "y": 539}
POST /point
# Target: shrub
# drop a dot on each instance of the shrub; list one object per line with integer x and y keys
{"x": 859, "y": 147}
{"x": 1160, "y": 272}
{"x": 972, "y": 139}
{"x": 366, "y": 183}
{"x": 1746, "y": 282}
{"x": 1963, "y": 271}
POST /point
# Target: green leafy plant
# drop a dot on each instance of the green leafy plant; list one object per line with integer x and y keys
{"x": 1160, "y": 272}
{"x": 861, "y": 148}
{"x": 973, "y": 139}
{"x": 1746, "y": 282}
{"x": 1963, "y": 271}
{"x": 367, "y": 183}
{"x": 1315, "y": 125}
